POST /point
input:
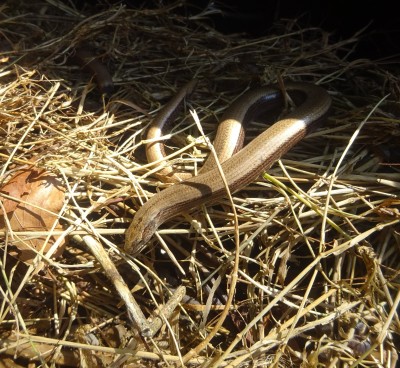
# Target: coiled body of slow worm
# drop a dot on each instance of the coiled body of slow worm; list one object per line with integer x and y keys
{"x": 155, "y": 147}
{"x": 244, "y": 166}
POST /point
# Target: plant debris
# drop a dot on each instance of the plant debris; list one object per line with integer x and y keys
{"x": 316, "y": 239}
{"x": 31, "y": 202}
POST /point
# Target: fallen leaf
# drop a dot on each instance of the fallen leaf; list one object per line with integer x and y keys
{"x": 31, "y": 201}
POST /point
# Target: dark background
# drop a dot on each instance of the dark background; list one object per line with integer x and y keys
{"x": 343, "y": 18}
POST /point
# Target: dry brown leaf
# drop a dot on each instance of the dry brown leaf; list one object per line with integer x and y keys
{"x": 37, "y": 198}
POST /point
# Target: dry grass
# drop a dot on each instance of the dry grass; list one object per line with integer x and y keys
{"x": 317, "y": 272}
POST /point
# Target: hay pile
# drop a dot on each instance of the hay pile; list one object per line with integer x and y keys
{"x": 316, "y": 277}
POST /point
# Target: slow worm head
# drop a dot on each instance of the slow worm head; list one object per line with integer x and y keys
{"x": 244, "y": 166}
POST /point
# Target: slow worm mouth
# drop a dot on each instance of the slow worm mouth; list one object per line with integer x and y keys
{"x": 239, "y": 169}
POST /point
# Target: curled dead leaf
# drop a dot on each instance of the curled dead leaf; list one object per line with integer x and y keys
{"x": 31, "y": 201}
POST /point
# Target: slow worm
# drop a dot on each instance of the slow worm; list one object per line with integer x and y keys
{"x": 155, "y": 148}
{"x": 244, "y": 166}
{"x": 89, "y": 61}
